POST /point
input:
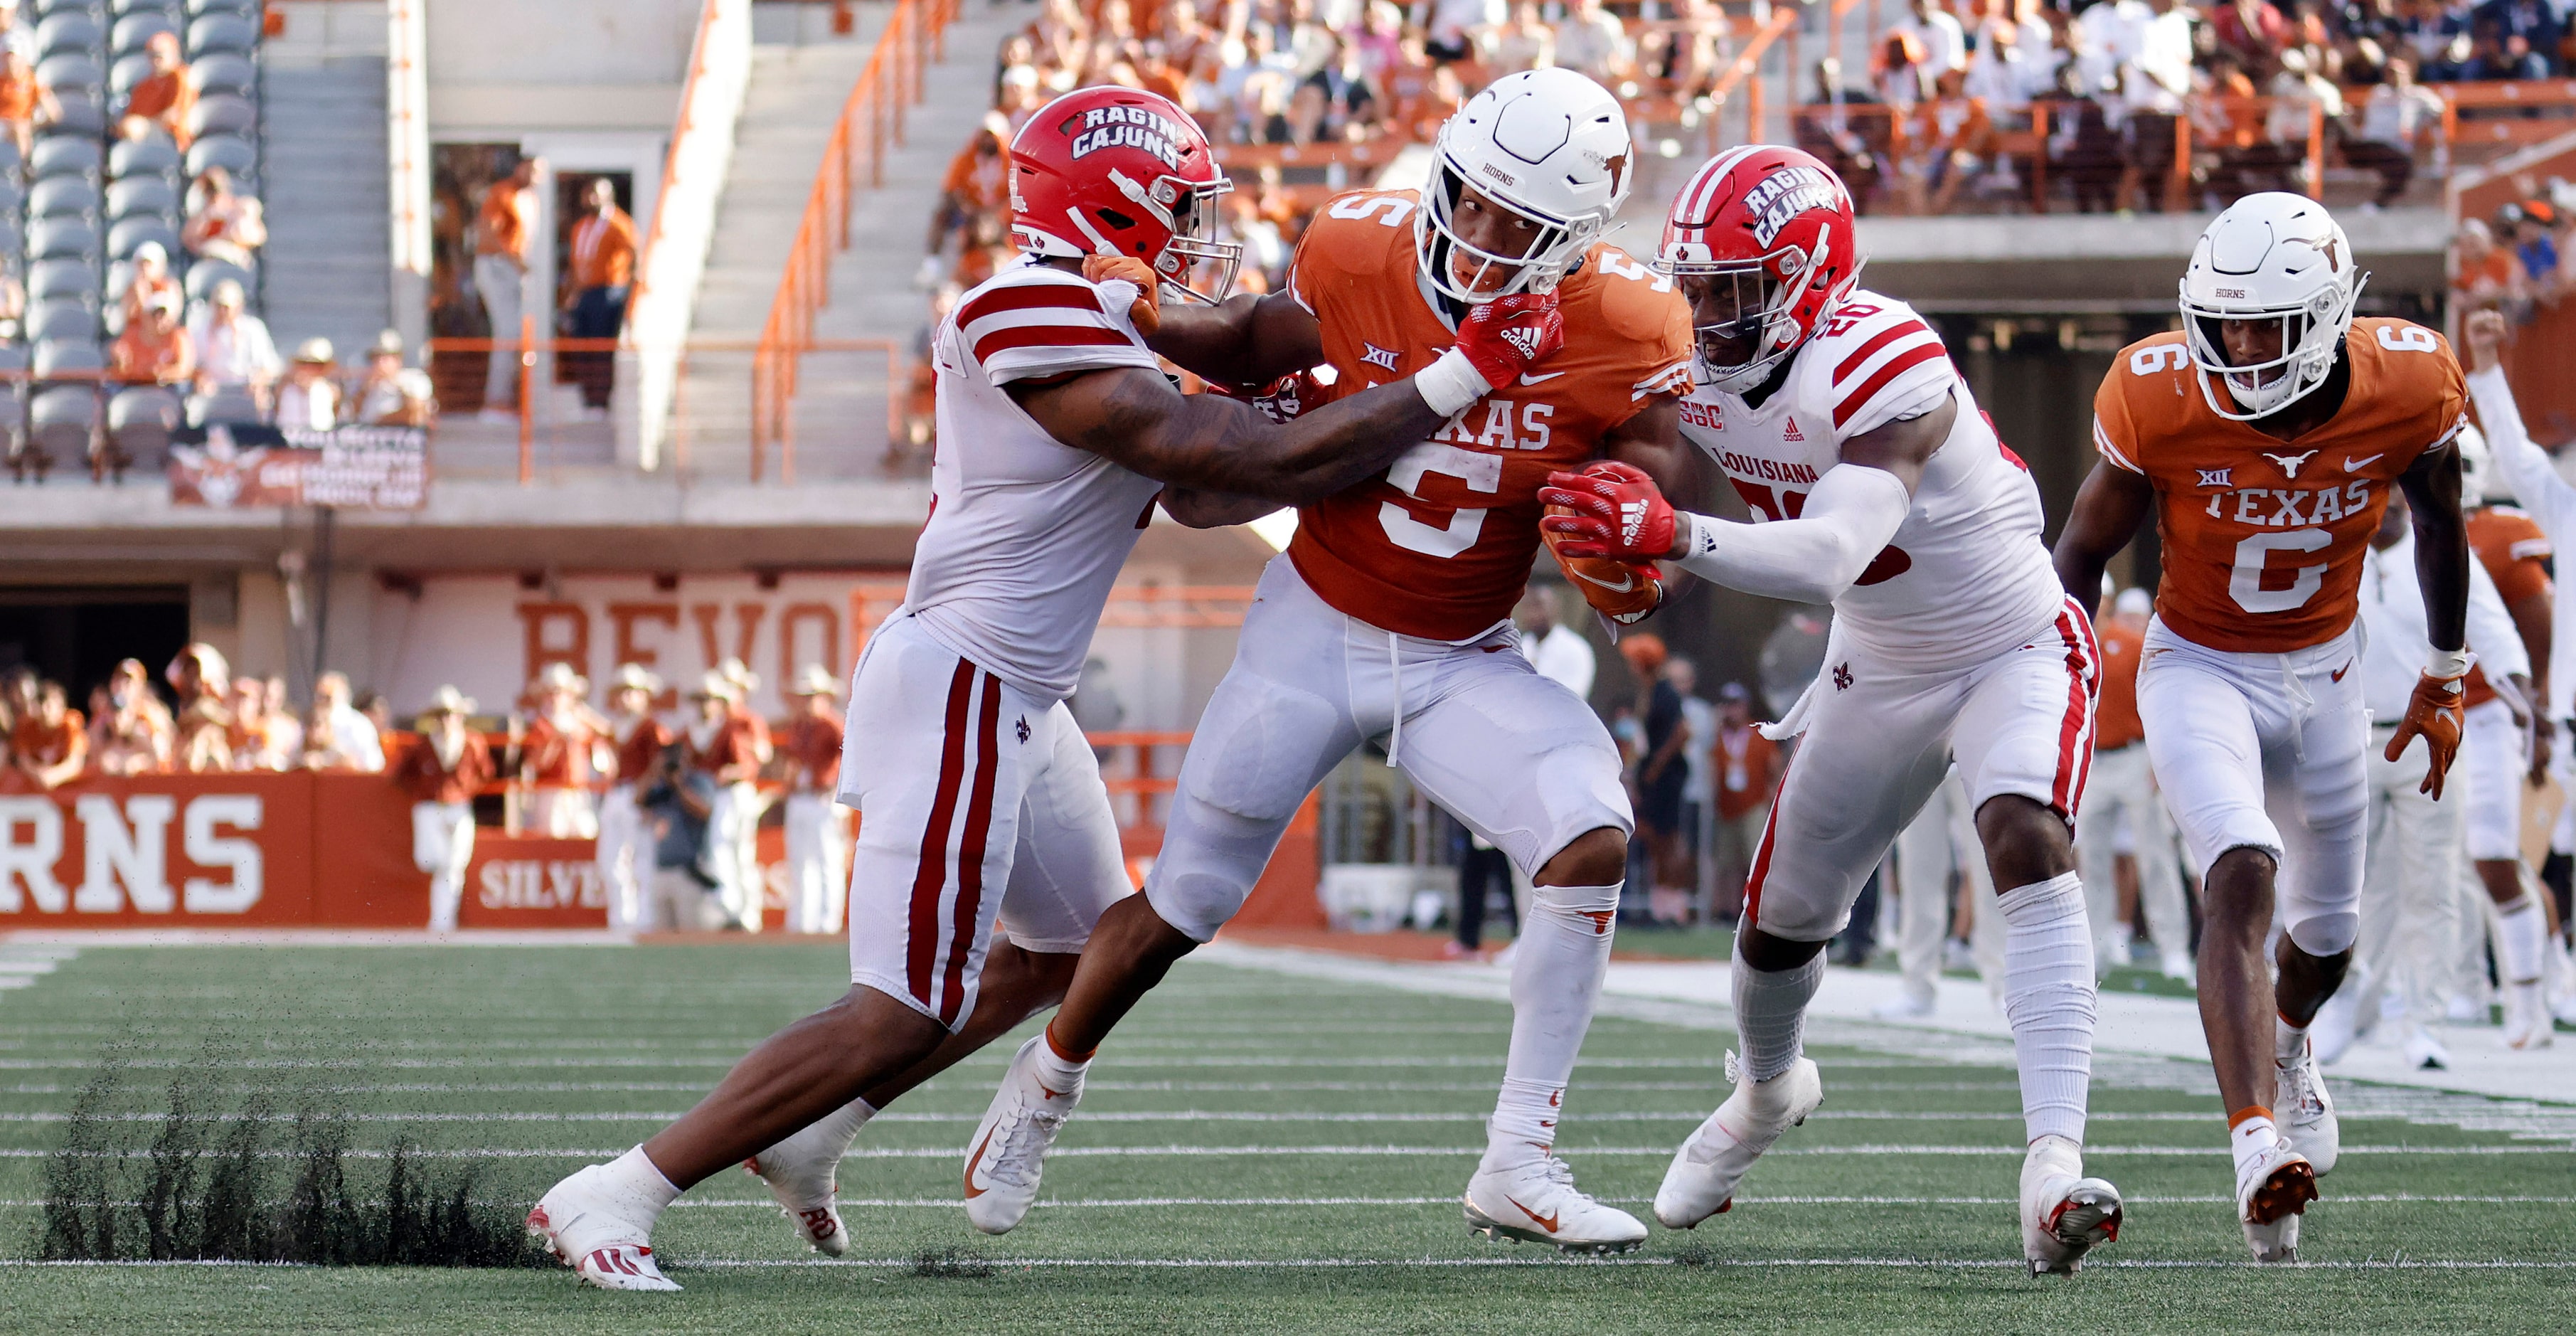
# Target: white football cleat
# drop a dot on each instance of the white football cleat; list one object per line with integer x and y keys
{"x": 1905, "y": 1006}
{"x": 2527, "y": 1022}
{"x": 2306, "y": 1112}
{"x": 1537, "y": 1202}
{"x": 2426, "y": 1053}
{"x": 2064, "y": 1215}
{"x": 597, "y": 1231}
{"x": 2178, "y": 966}
{"x": 804, "y": 1176}
{"x": 1010, "y": 1146}
{"x": 1701, "y": 1181}
{"x": 2272, "y": 1191}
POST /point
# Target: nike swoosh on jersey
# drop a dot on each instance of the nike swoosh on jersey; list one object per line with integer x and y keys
{"x": 1528, "y": 379}
{"x": 2357, "y": 465}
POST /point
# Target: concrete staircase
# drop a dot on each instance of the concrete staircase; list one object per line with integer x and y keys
{"x": 324, "y": 188}
{"x": 795, "y": 95}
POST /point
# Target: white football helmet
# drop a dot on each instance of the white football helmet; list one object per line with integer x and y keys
{"x": 1552, "y": 146}
{"x": 2270, "y": 257}
{"x": 2479, "y": 483}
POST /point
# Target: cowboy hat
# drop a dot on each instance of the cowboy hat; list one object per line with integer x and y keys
{"x": 815, "y": 680}
{"x": 633, "y": 677}
{"x": 716, "y": 686}
{"x": 559, "y": 676}
{"x": 448, "y": 700}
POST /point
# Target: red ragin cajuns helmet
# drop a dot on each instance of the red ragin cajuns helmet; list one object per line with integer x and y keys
{"x": 1777, "y": 224}
{"x": 1119, "y": 171}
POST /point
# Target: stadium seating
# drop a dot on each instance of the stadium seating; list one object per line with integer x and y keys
{"x": 74, "y": 210}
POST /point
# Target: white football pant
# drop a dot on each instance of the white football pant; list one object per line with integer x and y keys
{"x": 1941, "y": 837}
{"x": 2124, "y": 787}
{"x": 2411, "y": 892}
{"x": 625, "y": 856}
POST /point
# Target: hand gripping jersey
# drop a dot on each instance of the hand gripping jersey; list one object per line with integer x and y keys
{"x": 1026, "y": 534}
{"x": 1967, "y": 576}
{"x": 2263, "y": 539}
{"x": 1439, "y": 546}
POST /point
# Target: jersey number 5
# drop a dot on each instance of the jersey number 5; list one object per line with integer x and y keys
{"x": 1480, "y": 472}
{"x": 2245, "y": 580}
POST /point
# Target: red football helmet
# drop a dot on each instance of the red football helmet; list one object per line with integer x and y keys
{"x": 1776, "y": 225}
{"x": 1119, "y": 171}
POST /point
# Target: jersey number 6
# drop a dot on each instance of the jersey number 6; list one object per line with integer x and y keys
{"x": 2245, "y": 581}
{"x": 1480, "y": 472}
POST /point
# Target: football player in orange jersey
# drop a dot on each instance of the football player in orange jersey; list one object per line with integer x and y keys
{"x": 2265, "y": 436}
{"x": 1388, "y": 619}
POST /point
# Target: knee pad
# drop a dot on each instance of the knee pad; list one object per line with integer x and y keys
{"x": 1583, "y": 906}
{"x": 2328, "y": 934}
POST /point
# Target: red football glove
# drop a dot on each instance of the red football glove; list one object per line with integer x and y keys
{"x": 1611, "y": 510}
{"x": 2434, "y": 712}
{"x": 1144, "y": 312}
{"x": 1504, "y": 336}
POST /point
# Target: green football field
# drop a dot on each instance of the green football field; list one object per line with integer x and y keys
{"x": 1258, "y": 1150}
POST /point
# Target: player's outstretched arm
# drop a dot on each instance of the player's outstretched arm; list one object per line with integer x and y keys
{"x": 2524, "y": 466}
{"x": 2436, "y": 710}
{"x": 2108, "y": 510}
{"x": 1211, "y": 443}
{"x": 1847, "y": 521}
{"x": 1245, "y": 340}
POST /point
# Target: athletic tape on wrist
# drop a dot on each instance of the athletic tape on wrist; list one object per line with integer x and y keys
{"x": 1451, "y": 385}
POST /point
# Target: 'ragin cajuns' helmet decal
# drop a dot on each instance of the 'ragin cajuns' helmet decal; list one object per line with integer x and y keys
{"x": 1779, "y": 222}
{"x": 1118, "y": 171}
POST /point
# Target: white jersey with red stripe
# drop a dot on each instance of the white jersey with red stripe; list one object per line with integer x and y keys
{"x": 1967, "y": 575}
{"x": 1026, "y": 533}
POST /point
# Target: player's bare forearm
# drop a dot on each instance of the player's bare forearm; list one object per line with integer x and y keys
{"x": 1211, "y": 443}
{"x": 1245, "y": 340}
{"x": 1905, "y": 446}
{"x": 2108, "y": 510}
{"x": 2432, "y": 487}
{"x": 1651, "y": 439}
{"x": 1213, "y": 510}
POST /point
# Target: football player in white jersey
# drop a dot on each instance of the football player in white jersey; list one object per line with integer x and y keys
{"x": 1879, "y": 488}
{"x": 1388, "y": 618}
{"x": 978, "y": 798}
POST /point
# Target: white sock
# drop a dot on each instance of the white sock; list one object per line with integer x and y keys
{"x": 2520, "y": 928}
{"x": 827, "y": 1137}
{"x": 1771, "y": 1011}
{"x": 2290, "y": 1042}
{"x": 2249, "y": 1137}
{"x": 635, "y": 1176}
{"x": 1563, "y": 951}
{"x": 2049, "y": 1000}
{"x": 1061, "y": 1073}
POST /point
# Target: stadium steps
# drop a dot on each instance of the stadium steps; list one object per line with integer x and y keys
{"x": 795, "y": 94}
{"x": 327, "y": 199}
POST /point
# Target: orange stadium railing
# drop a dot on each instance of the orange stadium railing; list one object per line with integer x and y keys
{"x": 871, "y": 119}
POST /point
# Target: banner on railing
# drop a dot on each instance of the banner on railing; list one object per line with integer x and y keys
{"x": 245, "y": 466}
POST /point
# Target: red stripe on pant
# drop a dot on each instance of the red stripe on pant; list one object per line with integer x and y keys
{"x": 2075, "y": 732}
{"x": 932, "y": 875}
{"x": 1752, "y": 914}
{"x": 970, "y": 850}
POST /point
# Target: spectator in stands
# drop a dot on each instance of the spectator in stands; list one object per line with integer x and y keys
{"x": 13, "y": 299}
{"x": 2514, "y": 39}
{"x": 1903, "y": 71}
{"x": 16, "y": 34}
{"x": 2484, "y": 274}
{"x": 19, "y": 688}
{"x": 1556, "y": 650}
{"x": 504, "y": 231}
{"x": 2398, "y": 118}
{"x": 266, "y": 735}
{"x": 1527, "y": 42}
{"x": 25, "y": 103}
{"x": 1336, "y": 102}
{"x": 1957, "y": 134}
{"x": 1457, "y": 26}
{"x": 234, "y": 352}
{"x": 309, "y": 400}
{"x": 132, "y": 734}
{"x": 1591, "y": 40}
{"x": 338, "y": 736}
{"x": 2250, "y": 31}
{"x": 152, "y": 282}
{"x": 2528, "y": 225}
{"x": 48, "y": 743}
{"x": 603, "y": 272}
{"x": 2439, "y": 35}
{"x": 391, "y": 394}
{"x": 1747, "y": 772}
{"x": 223, "y": 224}
{"x": 164, "y": 97}
{"x": 564, "y": 753}
{"x": 2154, "y": 84}
{"x": 977, "y": 185}
{"x": 203, "y": 723}
{"x": 1940, "y": 39}
{"x": 156, "y": 349}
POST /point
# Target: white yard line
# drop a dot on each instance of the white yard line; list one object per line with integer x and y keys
{"x": 1577, "y": 1152}
{"x": 685, "y": 1265}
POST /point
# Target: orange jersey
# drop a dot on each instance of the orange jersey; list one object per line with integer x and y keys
{"x": 2510, "y": 544}
{"x": 1439, "y": 546}
{"x": 2115, "y": 718}
{"x": 2263, "y": 538}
